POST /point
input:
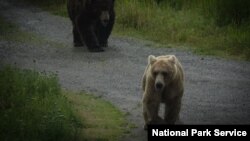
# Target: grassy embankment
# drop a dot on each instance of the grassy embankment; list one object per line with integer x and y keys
{"x": 208, "y": 27}
{"x": 34, "y": 107}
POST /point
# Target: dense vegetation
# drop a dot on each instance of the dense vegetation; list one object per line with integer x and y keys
{"x": 210, "y": 27}
{"x": 32, "y": 107}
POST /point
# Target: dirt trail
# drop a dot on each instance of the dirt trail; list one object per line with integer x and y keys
{"x": 217, "y": 91}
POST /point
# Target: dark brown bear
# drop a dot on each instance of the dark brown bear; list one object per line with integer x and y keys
{"x": 92, "y": 21}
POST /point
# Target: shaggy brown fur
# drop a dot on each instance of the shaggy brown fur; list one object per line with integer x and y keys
{"x": 162, "y": 83}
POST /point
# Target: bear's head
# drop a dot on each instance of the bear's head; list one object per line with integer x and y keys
{"x": 163, "y": 70}
{"x": 101, "y": 9}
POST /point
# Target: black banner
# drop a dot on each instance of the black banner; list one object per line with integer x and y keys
{"x": 161, "y": 132}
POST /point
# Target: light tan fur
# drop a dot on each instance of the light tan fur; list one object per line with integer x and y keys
{"x": 168, "y": 73}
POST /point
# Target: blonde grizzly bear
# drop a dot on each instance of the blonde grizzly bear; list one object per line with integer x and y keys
{"x": 162, "y": 83}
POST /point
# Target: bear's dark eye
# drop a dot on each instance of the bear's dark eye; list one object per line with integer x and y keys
{"x": 155, "y": 73}
{"x": 165, "y": 73}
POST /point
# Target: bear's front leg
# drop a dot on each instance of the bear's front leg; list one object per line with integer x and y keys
{"x": 172, "y": 111}
{"x": 150, "y": 112}
{"x": 105, "y": 31}
{"x": 101, "y": 34}
{"x": 87, "y": 32}
{"x": 91, "y": 40}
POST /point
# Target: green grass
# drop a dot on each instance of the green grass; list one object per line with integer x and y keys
{"x": 103, "y": 121}
{"x": 34, "y": 107}
{"x": 207, "y": 27}
{"x": 190, "y": 26}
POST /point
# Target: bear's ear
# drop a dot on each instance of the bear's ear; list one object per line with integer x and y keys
{"x": 151, "y": 59}
{"x": 172, "y": 59}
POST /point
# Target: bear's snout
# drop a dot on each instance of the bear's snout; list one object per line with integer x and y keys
{"x": 105, "y": 22}
{"x": 159, "y": 82}
{"x": 158, "y": 86}
{"x": 104, "y": 18}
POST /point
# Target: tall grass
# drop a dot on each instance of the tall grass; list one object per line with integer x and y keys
{"x": 209, "y": 27}
{"x": 32, "y": 108}
{"x": 223, "y": 11}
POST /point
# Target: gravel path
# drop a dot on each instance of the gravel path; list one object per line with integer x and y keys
{"x": 217, "y": 91}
